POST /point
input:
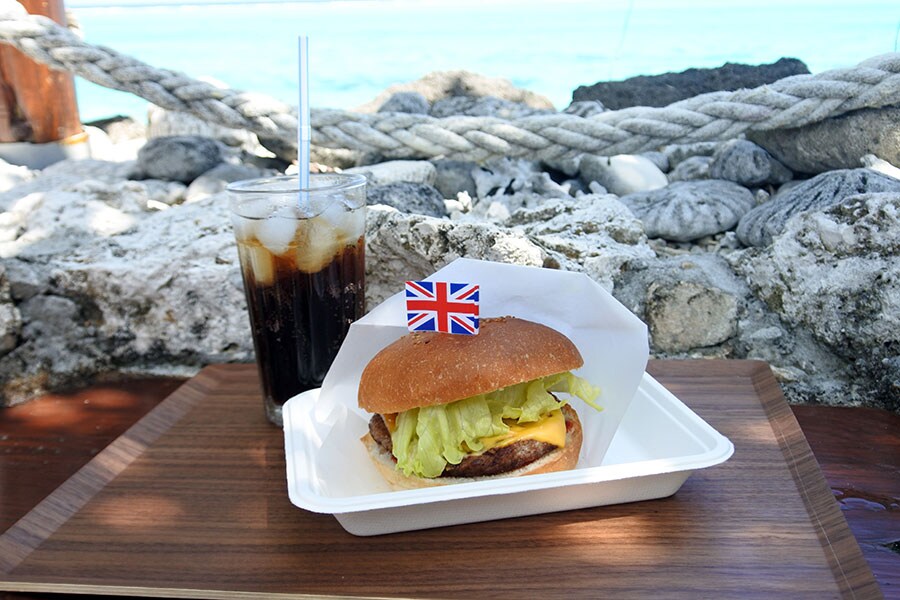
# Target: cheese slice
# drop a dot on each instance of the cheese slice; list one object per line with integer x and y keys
{"x": 550, "y": 429}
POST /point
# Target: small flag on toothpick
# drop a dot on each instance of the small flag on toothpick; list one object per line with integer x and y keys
{"x": 442, "y": 306}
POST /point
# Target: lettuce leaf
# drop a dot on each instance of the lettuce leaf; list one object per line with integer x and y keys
{"x": 576, "y": 386}
{"x": 426, "y": 439}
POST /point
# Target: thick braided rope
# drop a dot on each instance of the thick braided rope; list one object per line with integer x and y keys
{"x": 47, "y": 42}
{"x": 787, "y": 103}
{"x": 790, "y": 102}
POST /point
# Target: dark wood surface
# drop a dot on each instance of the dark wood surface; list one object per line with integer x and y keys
{"x": 858, "y": 450}
{"x": 45, "y": 441}
{"x": 760, "y": 525}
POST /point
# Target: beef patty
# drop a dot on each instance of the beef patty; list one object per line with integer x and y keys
{"x": 490, "y": 462}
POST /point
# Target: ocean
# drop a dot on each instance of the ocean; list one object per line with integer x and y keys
{"x": 358, "y": 48}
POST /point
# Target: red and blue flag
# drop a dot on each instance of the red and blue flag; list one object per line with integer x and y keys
{"x": 442, "y": 306}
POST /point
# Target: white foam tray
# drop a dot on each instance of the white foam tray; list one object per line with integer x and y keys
{"x": 656, "y": 447}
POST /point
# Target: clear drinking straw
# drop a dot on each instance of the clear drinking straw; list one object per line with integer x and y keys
{"x": 303, "y": 129}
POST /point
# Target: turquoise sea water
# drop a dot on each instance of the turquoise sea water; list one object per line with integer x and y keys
{"x": 358, "y": 48}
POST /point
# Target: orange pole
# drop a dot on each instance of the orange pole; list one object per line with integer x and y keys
{"x": 37, "y": 104}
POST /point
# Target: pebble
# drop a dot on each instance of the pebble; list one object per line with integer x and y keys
{"x": 623, "y": 174}
{"x": 747, "y": 164}
{"x": 688, "y": 210}
{"x": 760, "y": 225}
{"x": 453, "y": 177}
{"x": 412, "y": 198}
{"x": 177, "y": 158}
{"x": 691, "y": 169}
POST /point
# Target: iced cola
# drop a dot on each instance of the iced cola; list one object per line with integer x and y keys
{"x": 302, "y": 258}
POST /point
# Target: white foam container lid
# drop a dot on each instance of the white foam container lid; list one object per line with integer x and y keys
{"x": 659, "y": 442}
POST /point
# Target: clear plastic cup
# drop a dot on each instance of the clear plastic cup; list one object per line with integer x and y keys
{"x": 302, "y": 258}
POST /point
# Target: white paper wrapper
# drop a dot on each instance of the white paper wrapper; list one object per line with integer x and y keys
{"x": 612, "y": 341}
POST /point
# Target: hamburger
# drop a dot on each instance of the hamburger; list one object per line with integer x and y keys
{"x": 454, "y": 408}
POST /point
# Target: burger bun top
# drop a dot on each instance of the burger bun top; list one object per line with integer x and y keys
{"x": 428, "y": 368}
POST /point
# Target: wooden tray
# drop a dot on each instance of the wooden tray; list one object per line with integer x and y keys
{"x": 191, "y": 502}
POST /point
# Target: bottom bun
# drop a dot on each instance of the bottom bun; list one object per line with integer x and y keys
{"x": 561, "y": 459}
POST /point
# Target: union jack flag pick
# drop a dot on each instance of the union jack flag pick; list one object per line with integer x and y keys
{"x": 442, "y": 306}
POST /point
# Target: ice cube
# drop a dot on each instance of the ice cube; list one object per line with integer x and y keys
{"x": 354, "y": 225}
{"x": 348, "y": 224}
{"x": 319, "y": 243}
{"x": 244, "y": 229}
{"x": 260, "y": 262}
{"x": 276, "y": 233}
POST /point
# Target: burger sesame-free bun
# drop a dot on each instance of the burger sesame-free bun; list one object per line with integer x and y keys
{"x": 561, "y": 459}
{"x": 426, "y": 368}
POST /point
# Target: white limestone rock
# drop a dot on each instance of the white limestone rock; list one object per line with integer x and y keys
{"x": 595, "y": 234}
{"x": 132, "y": 196}
{"x": 57, "y": 212}
{"x": 56, "y": 223}
{"x": 497, "y": 209}
{"x": 808, "y": 371}
{"x": 10, "y": 326}
{"x": 171, "y": 285}
{"x": 507, "y": 177}
{"x": 10, "y": 319}
{"x": 217, "y": 179}
{"x": 102, "y": 288}
{"x": 13, "y": 175}
{"x": 691, "y": 304}
{"x": 26, "y": 279}
{"x": 699, "y": 305}
{"x": 55, "y": 348}
{"x": 400, "y": 247}
{"x": 102, "y": 147}
{"x": 64, "y": 173}
{"x": 32, "y": 215}
{"x": 685, "y": 315}
{"x": 835, "y": 272}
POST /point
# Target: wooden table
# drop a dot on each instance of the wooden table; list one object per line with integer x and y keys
{"x": 191, "y": 502}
